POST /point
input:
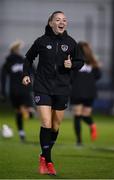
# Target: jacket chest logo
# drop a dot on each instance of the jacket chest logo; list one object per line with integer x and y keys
{"x": 64, "y": 47}
{"x": 17, "y": 68}
{"x": 49, "y": 46}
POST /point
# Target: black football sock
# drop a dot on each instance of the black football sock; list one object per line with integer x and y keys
{"x": 77, "y": 128}
{"x": 19, "y": 123}
{"x": 31, "y": 115}
{"x": 54, "y": 135}
{"x": 88, "y": 120}
{"x": 45, "y": 138}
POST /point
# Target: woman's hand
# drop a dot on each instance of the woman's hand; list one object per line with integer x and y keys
{"x": 26, "y": 80}
{"x": 68, "y": 62}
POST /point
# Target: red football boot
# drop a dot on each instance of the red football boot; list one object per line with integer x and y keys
{"x": 42, "y": 165}
{"x": 93, "y": 132}
{"x": 51, "y": 169}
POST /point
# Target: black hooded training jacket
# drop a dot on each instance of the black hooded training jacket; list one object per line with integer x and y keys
{"x": 52, "y": 77}
{"x": 13, "y": 68}
{"x": 84, "y": 82}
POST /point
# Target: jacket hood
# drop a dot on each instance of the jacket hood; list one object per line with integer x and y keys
{"x": 49, "y": 32}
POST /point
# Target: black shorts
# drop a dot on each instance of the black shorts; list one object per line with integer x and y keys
{"x": 57, "y": 102}
{"x": 21, "y": 99}
{"x": 84, "y": 101}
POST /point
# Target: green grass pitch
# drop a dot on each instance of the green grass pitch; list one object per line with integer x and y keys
{"x": 94, "y": 161}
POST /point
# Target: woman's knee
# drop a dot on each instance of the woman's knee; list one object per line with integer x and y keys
{"x": 87, "y": 111}
{"x": 46, "y": 123}
{"x": 77, "y": 110}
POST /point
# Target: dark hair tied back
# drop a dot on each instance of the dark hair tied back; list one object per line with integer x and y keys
{"x": 53, "y": 14}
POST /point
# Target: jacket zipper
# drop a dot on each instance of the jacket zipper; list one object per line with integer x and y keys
{"x": 55, "y": 69}
{"x": 55, "y": 66}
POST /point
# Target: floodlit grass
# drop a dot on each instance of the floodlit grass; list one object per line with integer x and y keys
{"x": 95, "y": 160}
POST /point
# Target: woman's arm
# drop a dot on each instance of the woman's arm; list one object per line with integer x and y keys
{"x": 97, "y": 73}
{"x": 4, "y": 74}
{"x": 30, "y": 56}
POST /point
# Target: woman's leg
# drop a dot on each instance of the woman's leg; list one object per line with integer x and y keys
{"x": 46, "y": 165}
{"x": 19, "y": 123}
{"x": 77, "y": 111}
{"x": 59, "y": 104}
{"x": 21, "y": 114}
{"x": 24, "y": 111}
{"x": 86, "y": 113}
{"x": 45, "y": 130}
{"x": 87, "y": 117}
{"x": 57, "y": 117}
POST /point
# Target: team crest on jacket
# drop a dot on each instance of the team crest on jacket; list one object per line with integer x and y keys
{"x": 49, "y": 46}
{"x": 64, "y": 47}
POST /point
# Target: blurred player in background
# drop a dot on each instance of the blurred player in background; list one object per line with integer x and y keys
{"x": 20, "y": 96}
{"x": 58, "y": 55}
{"x": 84, "y": 92}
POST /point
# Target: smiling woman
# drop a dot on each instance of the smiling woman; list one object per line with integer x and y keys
{"x": 58, "y": 22}
{"x": 58, "y": 56}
